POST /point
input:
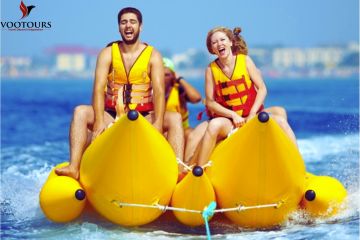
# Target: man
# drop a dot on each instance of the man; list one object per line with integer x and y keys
{"x": 132, "y": 74}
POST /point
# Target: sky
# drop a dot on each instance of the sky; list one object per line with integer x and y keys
{"x": 177, "y": 26}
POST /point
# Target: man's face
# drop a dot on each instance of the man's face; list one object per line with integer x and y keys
{"x": 129, "y": 28}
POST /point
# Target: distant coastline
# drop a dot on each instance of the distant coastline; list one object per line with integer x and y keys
{"x": 190, "y": 78}
{"x": 276, "y": 62}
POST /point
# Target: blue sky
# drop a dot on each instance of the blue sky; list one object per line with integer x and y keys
{"x": 179, "y": 25}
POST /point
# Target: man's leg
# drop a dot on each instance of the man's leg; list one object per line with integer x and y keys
{"x": 79, "y": 138}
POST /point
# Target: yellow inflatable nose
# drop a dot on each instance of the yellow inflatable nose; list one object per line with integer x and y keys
{"x": 62, "y": 199}
{"x": 194, "y": 192}
{"x": 324, "y": 196}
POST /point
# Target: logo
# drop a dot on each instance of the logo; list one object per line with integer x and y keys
{"x": 25, "y": 25}
{"x": 25, "y": 10}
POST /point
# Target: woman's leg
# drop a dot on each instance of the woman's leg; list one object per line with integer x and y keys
{"x": 192, "y": 143}
{"x": 175, "y": 133}
{"x": 280, "y": 116}
{"x": 217, "y": 129}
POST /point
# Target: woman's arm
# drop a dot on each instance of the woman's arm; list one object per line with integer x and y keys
{"x": 192, "y": 95}
{"x": 255, "y": 76}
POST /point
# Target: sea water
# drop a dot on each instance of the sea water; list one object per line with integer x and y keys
{"x": 35, "y": 118}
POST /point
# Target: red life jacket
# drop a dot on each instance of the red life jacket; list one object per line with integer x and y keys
{"x": 237, "y": 93}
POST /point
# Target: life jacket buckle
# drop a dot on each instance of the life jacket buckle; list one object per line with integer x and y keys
{"x": 226, "y": 97}
{"x": 127, "y": 98}
{"x": 223, "y": 85}
{"x": 128, "y": 87}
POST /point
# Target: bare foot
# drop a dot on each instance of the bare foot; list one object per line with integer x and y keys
{"x": 68, "y": 171}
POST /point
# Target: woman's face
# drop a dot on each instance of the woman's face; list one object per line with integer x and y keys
{"x": 221, "y": 44}
{"x": 169, "y": 76}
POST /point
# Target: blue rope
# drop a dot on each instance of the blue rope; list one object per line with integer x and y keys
{"x": 206, "y": 214}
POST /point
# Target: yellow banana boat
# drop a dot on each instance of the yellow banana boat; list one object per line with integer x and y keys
{"x": 324, "y": 196}
{"x": 194, "y": 192}
{"x": 131, "y": 162}
{"x": 129, "y": 175}
{"x": 62, "y": 198}
{"x": 258, "y": 166}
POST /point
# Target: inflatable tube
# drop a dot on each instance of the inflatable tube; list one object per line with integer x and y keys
{"x": 131, "y": 162}
{"x": 62, "y": 199}
{"x": 194, "y": 192}
{"x": 324, "y": 196}
{"x": 258, "y": 165}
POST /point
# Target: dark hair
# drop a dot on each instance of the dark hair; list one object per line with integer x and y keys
{"x": 239, "y": 44}
{"x": 130, "y": 10}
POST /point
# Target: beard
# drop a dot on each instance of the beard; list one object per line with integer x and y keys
{"x": 131, "y": 41}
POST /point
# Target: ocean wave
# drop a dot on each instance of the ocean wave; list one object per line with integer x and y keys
{"x": 306, "y": 123}
{"x": 318, "y": 148}
{"x": 25, "y": 169}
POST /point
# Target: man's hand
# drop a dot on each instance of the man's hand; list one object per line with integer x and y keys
{"x": 98, "y": 128}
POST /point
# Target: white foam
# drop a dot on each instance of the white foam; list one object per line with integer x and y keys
{"x": 317, "y": 148}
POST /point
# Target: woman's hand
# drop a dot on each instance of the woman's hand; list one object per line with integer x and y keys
{"x": 250, "y": 116}
{"x": 237, "y": 120}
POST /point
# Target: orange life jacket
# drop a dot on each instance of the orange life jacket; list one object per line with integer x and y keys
{"x": 237, "y": 93}
{"x": 125, "y": 91}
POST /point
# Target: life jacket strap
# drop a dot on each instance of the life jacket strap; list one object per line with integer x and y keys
{"x": 130, "y": 94}
{"x": 129, "y": 87}
{"x": 241, "y": 94}
{"x": 220, "y": 86}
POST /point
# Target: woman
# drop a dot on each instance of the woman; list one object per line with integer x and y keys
{"x": 235, "y": 91}
{"x": 178, "y": 92}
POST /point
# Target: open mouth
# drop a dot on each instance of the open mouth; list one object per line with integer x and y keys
{"x": 221, "y": 51}
{"x": 129, "y": 33}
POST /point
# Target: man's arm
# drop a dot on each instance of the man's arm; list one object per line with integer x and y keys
{"x": 103, "y": 64}
{"x": 157, "y": 78}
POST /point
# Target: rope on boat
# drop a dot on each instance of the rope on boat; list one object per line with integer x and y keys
{"x": 164, "y": 208}
{"x": 189, "y": 168}
{"x": 207, "y": 213}
{"x": 241, "y": 208}
{"x": 208, "y": 164}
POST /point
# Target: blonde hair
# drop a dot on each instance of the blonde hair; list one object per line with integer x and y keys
{"x": 239, "y": 44}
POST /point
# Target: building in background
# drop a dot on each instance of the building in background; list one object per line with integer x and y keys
{"x": 75, "y": 61}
